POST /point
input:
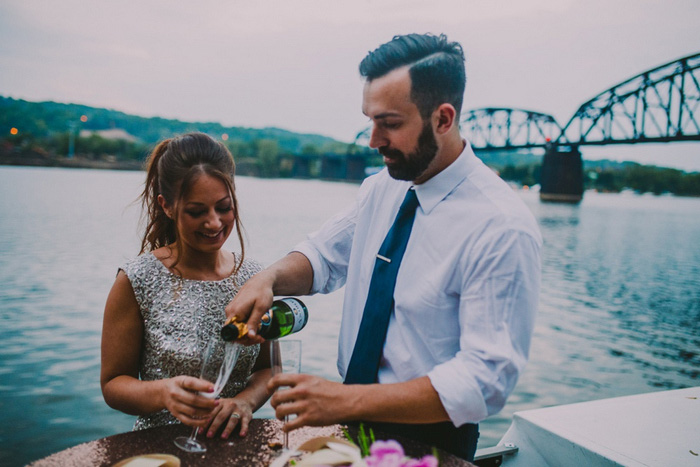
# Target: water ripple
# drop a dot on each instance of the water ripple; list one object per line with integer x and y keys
{"x": 619, "y": 310}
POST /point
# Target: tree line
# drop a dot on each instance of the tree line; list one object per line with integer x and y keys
{"x": 258, "y": 157}
{"x": 45, "y": 133}
{"x": 614, "y": 179}
{"x": 267, "y": 158}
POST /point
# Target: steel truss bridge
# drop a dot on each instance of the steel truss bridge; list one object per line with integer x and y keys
{"x": 657, "y": 106}
{"x": 660, "y": 105}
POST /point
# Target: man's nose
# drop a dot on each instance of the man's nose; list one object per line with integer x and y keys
{"x": 376, "y": 138}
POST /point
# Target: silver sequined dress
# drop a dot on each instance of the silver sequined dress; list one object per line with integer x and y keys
{"x": 180, "y": 316}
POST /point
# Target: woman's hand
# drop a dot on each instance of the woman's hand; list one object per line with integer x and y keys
{"x": 182, "y": 399}
{"x": 228, "y": 414}
{"x": 238, "y": 410}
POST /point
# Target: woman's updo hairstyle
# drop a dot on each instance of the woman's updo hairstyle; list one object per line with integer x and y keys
{"x": 172, "y": 168}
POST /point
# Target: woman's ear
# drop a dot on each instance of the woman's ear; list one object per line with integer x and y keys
{"x": 164, "y": 206}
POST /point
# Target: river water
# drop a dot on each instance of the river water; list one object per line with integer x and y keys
{"x": 619, "y": 312}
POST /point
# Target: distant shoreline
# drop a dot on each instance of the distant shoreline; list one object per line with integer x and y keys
{"x": 75, "y": 163}
{"x": 82, "y": 163}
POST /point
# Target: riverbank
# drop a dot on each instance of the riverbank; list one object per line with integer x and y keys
{"x": 247, "y": 167}
{"x": 244, "y": 166}
{"x": 77, "y": 162}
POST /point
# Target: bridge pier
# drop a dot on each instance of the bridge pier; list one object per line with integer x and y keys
{"x": 301, "y": 166}
{"x": 355, "y": 164}
{"x": 330, "y": 166}
{"x": 561, "y": 178}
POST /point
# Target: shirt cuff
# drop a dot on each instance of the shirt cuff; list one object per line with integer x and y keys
{"x": 460, "y": 395}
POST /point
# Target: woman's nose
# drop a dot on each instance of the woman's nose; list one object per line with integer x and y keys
{"x": 213, "y": 221}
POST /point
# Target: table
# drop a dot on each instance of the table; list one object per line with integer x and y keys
{"x": 658, "y": 428}
{"x": 253, "y": 450}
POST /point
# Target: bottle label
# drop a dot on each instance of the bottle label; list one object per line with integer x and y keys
{"x": 298, "y": 311}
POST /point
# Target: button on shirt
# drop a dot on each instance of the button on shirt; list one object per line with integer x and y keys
{"x": 467, "y": 290}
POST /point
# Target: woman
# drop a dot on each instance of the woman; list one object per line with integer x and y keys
{"x": 167, "y": 303}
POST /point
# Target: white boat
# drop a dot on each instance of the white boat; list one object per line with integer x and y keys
{"x": 654, "y": 429}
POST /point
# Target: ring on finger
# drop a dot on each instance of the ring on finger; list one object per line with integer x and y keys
{"x": 235, "y": 415}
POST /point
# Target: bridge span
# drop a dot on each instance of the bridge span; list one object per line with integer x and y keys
{"x": 660, "y": 105}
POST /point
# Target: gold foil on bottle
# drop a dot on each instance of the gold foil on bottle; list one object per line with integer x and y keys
{"x": 242, "y": 327}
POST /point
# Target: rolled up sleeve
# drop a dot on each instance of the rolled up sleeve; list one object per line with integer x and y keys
{"x": 498, "y": 304}
{"x": 328, "y": 251}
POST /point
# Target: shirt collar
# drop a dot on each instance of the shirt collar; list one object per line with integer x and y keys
{"x": 438, "y": 187}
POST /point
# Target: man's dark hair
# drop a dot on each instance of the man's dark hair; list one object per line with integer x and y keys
{"x": 436, "y": 68}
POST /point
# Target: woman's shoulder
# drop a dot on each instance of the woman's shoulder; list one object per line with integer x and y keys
{"x": 145, "y": 263}
{"x": 248, "y": 269}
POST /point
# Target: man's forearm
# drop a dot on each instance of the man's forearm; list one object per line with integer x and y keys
{"x": 291, "y": 275}
{"x": 414, "y": 401}
{"x": 317, "y": 401}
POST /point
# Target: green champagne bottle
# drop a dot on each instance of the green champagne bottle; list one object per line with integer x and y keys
{"x": 286, "y": 316}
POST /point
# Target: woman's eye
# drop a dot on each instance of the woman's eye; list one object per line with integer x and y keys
{"x": 195, "y": 213}
{"x": 225, "y": 209}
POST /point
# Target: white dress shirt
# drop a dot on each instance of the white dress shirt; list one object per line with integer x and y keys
{"x": 466, "y": 292}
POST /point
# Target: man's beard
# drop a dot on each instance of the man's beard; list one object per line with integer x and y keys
{"x": 412, "y": 166}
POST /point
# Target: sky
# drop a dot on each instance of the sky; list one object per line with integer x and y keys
{"x": 292, "y": 64}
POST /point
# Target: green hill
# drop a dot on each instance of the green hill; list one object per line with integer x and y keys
{"x": 48, "y": 119}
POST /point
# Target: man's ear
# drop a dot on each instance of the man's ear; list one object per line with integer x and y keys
{"x": 445, "y": 115}
{"x": 164, "y": 206}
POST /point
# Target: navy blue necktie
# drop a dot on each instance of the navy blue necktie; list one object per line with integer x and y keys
{"x": 364, "y": 363}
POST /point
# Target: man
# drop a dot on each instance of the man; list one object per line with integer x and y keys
{"x": 466, "y": 291}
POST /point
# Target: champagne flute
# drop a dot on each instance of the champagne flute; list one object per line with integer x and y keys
{"x": 285, "y": 357}
{"x": 216, "y": 372}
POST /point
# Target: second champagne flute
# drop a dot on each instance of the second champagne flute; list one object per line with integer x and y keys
{"x": 285, "y": 357}
{"x": 216, "y": 372}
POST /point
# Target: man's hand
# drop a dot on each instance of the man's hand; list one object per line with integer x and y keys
{"x": 319, "y": 402}
{"x": 315, "y": 401}
{"x": 291, "y": 275}
{"x": 251, "y": 302}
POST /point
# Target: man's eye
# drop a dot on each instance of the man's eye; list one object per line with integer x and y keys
{"x": 391, "y": 126}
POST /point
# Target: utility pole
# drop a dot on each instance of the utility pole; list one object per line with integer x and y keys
{"x": 71, "y": 140}
{"x": 71, "y": 135}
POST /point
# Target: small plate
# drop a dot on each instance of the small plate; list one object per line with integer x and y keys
{"x": 150, "y": 460}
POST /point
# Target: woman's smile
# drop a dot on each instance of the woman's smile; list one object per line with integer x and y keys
{"x": 212, "y": 237}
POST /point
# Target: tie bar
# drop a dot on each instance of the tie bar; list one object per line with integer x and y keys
{"x": 384, "y": 258}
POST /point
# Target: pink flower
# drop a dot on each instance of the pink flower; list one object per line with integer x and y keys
{"x": 425, "y": 461}
{"x": 391, "y": 454}
{"x": 382, "y": 448}
{"x": 385, "y": 454}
